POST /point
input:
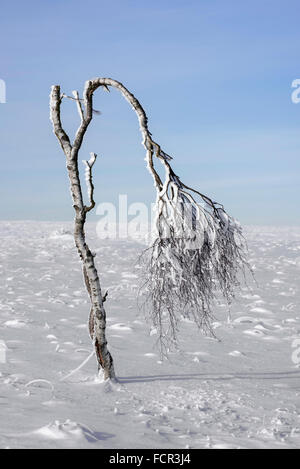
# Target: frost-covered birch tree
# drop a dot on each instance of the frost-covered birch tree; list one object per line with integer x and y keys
{"x": 197, "y": 250}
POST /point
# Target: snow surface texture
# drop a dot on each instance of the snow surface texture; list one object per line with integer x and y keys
{"x": 240, "y": 391}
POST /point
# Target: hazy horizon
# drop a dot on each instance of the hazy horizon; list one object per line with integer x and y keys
{"x": 214, "y": 77}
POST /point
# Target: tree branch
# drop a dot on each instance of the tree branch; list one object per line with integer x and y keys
{"x": 89, "y": 181}
{"x": 55, "y": 101}
{"x": 78, "y": 102}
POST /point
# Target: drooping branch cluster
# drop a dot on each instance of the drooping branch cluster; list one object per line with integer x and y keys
{"x": 198, "y": 251}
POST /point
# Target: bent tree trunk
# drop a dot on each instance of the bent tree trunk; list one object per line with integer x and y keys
{"x": 198, "y": 246}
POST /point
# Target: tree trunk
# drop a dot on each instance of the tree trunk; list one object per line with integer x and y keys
{"x": 98, "y": 315}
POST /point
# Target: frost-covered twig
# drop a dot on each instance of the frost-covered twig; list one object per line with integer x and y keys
{"x": 198, "y": 250}
{"x": 79, "y": 106}
{"x": 89, "y": 180}
{"x": 79, "y": 102}
{"x": 85, "y": 361}
{"x": 40, "y": 381}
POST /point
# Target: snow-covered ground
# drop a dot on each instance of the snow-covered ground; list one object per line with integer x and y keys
{"x": 240, "y": 391}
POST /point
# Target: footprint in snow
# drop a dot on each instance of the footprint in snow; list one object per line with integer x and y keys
{"x": 16, "y": 324}
{"x": 120, "y": 327}
{"x": 245, "y": 320}
{"x": 236, "y": 353}
{"x": 69, "y": 430}
{"x": 254, "y": 332}
{"x": 261, "y": 311}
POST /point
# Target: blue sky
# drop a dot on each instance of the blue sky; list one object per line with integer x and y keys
{"x": 213, "y": 75}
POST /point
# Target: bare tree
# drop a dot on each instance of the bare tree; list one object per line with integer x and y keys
{"x": 197, "y": 249}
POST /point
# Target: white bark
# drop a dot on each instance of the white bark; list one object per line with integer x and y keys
{"x": 105, "y": 361}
